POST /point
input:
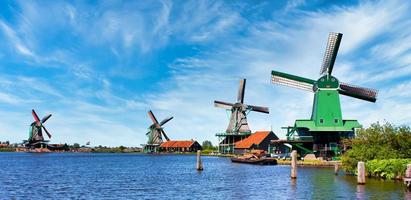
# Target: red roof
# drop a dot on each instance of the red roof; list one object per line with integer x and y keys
{"x": 255, "y": 138}
{"x": 178, "y": 144}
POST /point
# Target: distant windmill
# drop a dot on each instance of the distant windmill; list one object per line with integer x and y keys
{"x": 36, "y": 138}
{"x": 155, "y": 133}
{"x": 326, "y": 126}
{"x": 238, "y": 126}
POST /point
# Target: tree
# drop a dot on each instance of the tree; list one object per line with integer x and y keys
{"x": 122, "y": 148}
{"x": 378, "y": 142}
{"x": 207, "y": 144}
{"x": 76, "y": 145}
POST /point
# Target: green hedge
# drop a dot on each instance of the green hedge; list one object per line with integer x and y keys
{"x": 7, "y": 149}
{"x": 378, "y": 142}
{"x": 387, "y": 169}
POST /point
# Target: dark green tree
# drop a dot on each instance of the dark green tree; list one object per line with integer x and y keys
{"x": 377, "y": 142}
{"x": 207, "y": 144}
{"x": 76, "y": 145}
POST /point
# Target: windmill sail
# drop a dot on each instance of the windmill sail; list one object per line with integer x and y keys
{"x": 292, "y": 81}
{"x": 152, "y": 117}
{"x": 165, "y": 136}
{"x": 224, "y": 105}
{"x": 333, "y": 44}
{"x": 258, "y": 109}
{"x": 241, "y": 90}
{"x": 366, "y": 94}
{"x": 165, "y": 121}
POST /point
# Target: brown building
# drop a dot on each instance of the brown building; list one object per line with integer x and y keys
{"x": 180, "y": 146}
{"x": 258, "y": 140}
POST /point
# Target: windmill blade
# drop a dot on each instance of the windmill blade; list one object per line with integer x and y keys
{"x": 165, "y": 120}
{"x": 334, "y": 40}
{"x": 259, "y": 109}
{"x": 292, "y": 81}
{"x": 152, "y": 117}
{"x": 164, "y": 133}
{"x": 222, "y": 104}
{"x": 36, "y": 117}
{"x": 148, "y": 132}
{"x": 47, "y": 132}
{"x": 45, "y": 118}
{"x": 366, "y": 94}
{"x": 241, "y": 90}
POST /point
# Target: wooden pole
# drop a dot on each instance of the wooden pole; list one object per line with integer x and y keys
{"x": 294, "y": 164}
{"x": 407, "y": 178}
{"x": 408, "y": 172}
{"x": 361, "y": 173}
{"x": 336, "y": 168}
{"x": 199, "y": 166}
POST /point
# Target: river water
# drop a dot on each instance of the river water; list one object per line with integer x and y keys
{"x": 139, "y": 176}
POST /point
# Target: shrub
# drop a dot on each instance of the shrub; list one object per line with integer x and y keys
{"x": 378, "y": 142}
{"x": 387, "y": 169}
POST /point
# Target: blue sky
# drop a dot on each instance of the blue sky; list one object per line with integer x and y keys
{"x": 99, "y": 66}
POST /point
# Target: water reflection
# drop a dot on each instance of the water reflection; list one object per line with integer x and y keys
{"x": 360, "y": 194}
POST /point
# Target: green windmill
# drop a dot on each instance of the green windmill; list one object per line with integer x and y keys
{"x": 323, "y": 132}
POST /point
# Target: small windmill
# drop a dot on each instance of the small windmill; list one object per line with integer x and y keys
{"x": 326, "y": 125}
{"x": 155, "y": 133}
{"x": 36, "y": 138}
{"x": 238, "y": 128}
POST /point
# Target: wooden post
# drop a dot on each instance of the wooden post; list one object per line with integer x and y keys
{"x": 336, "y": 168}
{"x": 294, "y": 164}
{"x": 361, "y": 173}
{"x": 199, "y": 166}
{"x": 408, "y": 172}
{"x": 407, "y": 178}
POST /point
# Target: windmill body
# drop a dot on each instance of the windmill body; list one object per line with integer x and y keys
{"x": 36, "y": 138}
{"x": 322, "y": 133}
{"x": 238, "y": 127}
{"x": 155, "y": 134}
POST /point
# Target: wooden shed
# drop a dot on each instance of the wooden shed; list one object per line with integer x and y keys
{"x": 258, "y": 140}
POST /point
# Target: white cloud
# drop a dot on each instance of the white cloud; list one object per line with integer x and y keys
{"x": 15, "y": 40}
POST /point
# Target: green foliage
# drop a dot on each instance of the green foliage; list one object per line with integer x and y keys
{"x": 7, "y": 149}
{"x": 207, "y": 145}
{"x": 387, "y": 169}
{"x": 121, "y": 148}
{"x": 76, "y": 145}
{"x": 378, "y": 142}
{"x": 207, "y": 151}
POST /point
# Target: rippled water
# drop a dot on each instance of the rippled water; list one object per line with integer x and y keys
{"x": 138, "y": 176}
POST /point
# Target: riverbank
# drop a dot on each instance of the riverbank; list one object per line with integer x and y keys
{"x": 310, "y": 163}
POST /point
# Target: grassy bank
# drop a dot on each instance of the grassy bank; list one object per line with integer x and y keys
{"x": 309, "y": 163}
{"x": 7, "y": 149}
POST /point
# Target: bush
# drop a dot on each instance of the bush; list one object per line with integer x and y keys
{"x": 378, "y": 142}
{"x": 387, "y": 169}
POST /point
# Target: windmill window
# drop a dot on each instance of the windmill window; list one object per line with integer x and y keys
{"x": 321, "y": 121}
{"x": 336, "y": 121}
